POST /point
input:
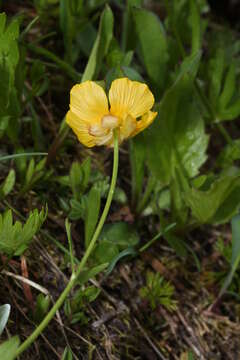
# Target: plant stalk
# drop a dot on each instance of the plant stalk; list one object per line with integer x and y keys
{"x": 82, "y": 263}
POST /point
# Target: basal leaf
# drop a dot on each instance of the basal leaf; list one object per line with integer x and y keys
{"x": 153, "y": 45}
{"x": 177, "y": 136}
{"x": 100, "y": 46}
{"x": 8, "y": 348}
{"x": 218, "y": 204}
{"x": 121, "y": 234}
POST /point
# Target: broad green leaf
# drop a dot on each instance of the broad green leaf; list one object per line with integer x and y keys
{"x": 229, "y": 154}
{"x": 121, "y": 234}
{"x": 153, "y": 45}
{"x": 101, "y": 45}
{"x": 86, "y": 37}
{"x": 8, "y": 348}
{"x": 218, "y": 204}
{"x": 4, "y": 315}
{"x": 230, "y": 113}
{"x": 8, "y": 184}
{"x": 9, "y": 57}
{"x": 105, "y": 252}
{"x": 9, "y": 54}
{"x": 93, "y": 208}
{"x": 177, "y": 136}
{"x": 113, "y": 239}
{"x": 190, "y": 65}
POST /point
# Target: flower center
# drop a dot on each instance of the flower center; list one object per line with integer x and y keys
{"x": 109, "y": 122}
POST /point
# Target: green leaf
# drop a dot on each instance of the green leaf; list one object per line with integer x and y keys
{"x": 67, "y": 27}
{"x": 69, "y": 237}
{"x": 137, "y": 161}
{"x": 216, "y": 70}
{"x": 78, "y": 208}
{"x": 67, "y": 355}
{"x": 79, "y": 177}
{"x": 177, "y": 137}
{"x": 190, "y": 65}
{"x": 121, "y": 234}
{"x": 91, "y": 273}
{"x": 235, "y": 240}
{"x": 218, "y": 204}
{"x": 15, "y": 238}
{"x": 101, "y": 45}
{"x": 235, "y": 259}
{"x": 42, "y": 306}
{"x": 229, "y": 154}
{"x": 229, "y": 87}
{"x": 130, "y": 251}
{"x": 8, "y": 348}
{"x": 105, "y": 252}
{"x": 195, "y": 23}
{"x": 4, "y": 315}
{"x": 9, "y": 57}
{"x": 230, "y": 113}
{"x": 153, "y": 44}
{"x": 93, "y": 209}
{"x": 8, "y": 184}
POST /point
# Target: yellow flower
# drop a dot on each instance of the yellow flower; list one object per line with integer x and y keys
{"x": 93, "y": 120}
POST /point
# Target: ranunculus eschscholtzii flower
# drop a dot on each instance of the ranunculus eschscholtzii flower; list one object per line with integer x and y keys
{"x": 93, "y": 118}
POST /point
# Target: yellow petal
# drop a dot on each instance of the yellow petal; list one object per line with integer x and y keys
{"x": 81, "y": 129}
{"x": 129, "y": 97}
{"x": 145, "y": 121}
{"x": 128, "y": 127}
{"x": 88, "y": 101}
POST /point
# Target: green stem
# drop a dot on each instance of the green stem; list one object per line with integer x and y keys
{"x": 81, "y": 265}
{"x": 14, "y": 156}
{"x": 150, "y": 186}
